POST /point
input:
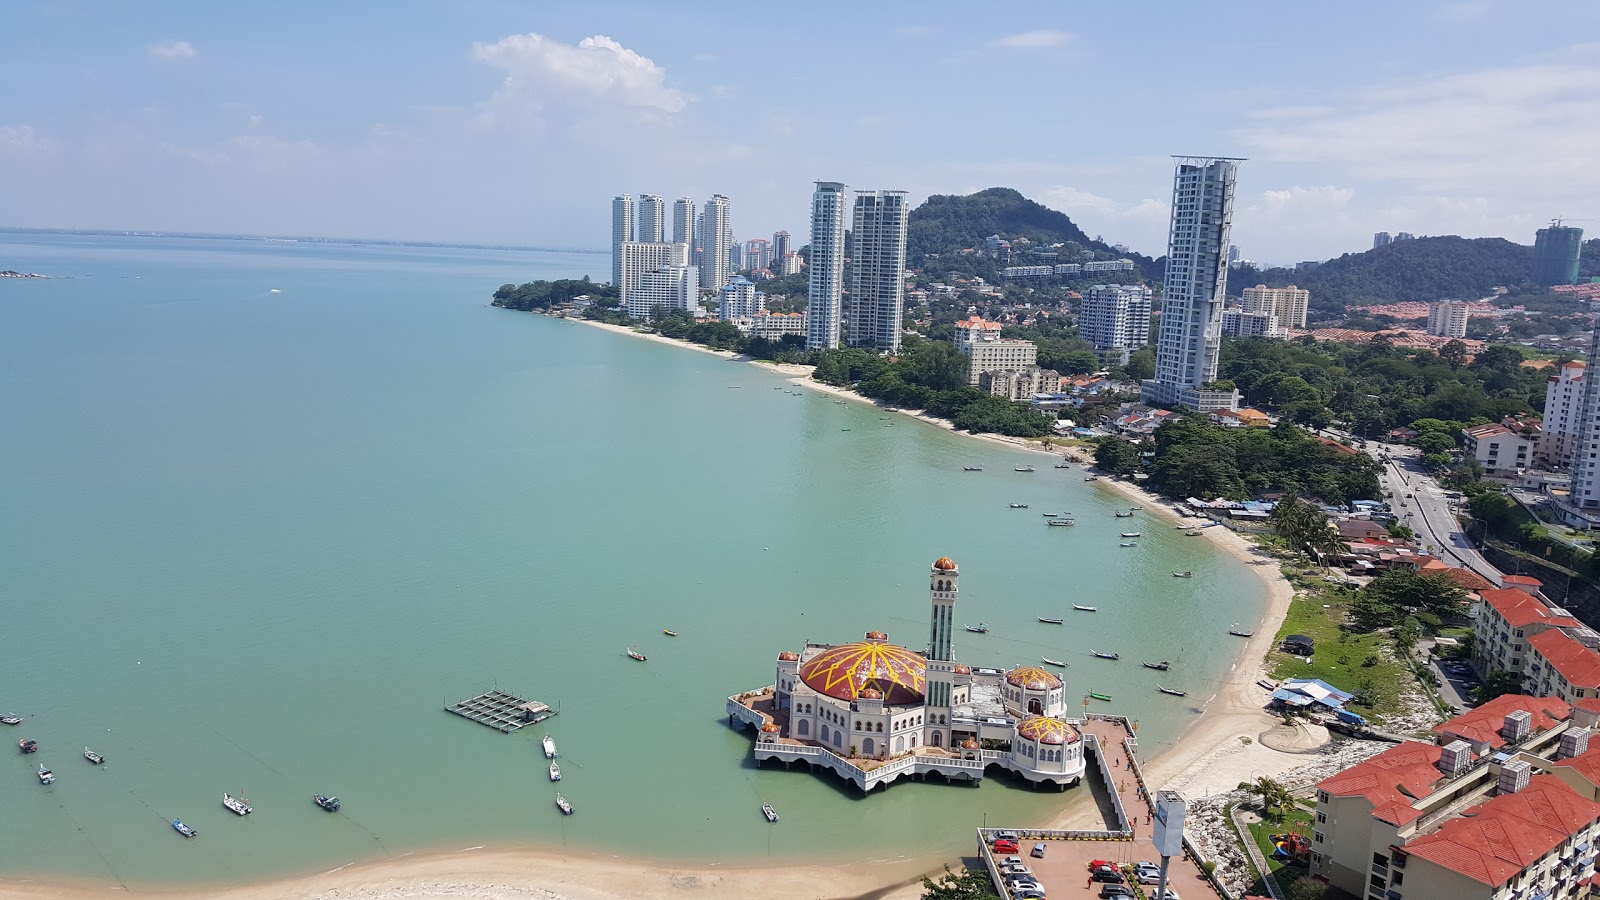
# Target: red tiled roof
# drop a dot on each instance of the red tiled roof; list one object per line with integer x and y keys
{"x": 1592, "y": 704}
{"x": 1586, "y": 764}
{"x": 1482, "y": 725}
{"x": 1521, "y": 608}
{"x": 1493, "y": 842}
{"x": 1577, "y": 664}
{"x": 1391, "y": 780}
{"x": 1521, "y": 579}
{"x": 1469, "y": 580}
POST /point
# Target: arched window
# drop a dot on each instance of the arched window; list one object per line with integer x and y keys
{"x": 838, "y": 739}
{"x": 913, "y": 742}
{"x": 867, "y": 747}
{"x": 824, "y": 734}
{"x": 805, "y": 728}
{"x": 899, "y": 744}
{"x": 880, "y": 727}
{"x": 938, "y": 740}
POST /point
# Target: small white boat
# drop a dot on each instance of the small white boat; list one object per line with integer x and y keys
{"x": 1135, "y": 508}
{"x": 1127, "y": 544}
{"x": 1194, "y": 533}
{"x": 237, "y": 804}
{"x": 1124, "y": 515}
{"x": 1049, "y": 621}
{"x": 92, "y": 756}
{"x": 633, "y": 653}
{"x": 980, "y": 628}
{"x": 1091, "y": 478}
{"x": 768, "y": 811}
{"x": 1085, "y": 608}
{"x": 1132, "y": 534}
{"x": 1173, "y": 691}
{"x": 972, "y": 468}
{"x": 1104, "y": 655}
{"x": 1019, "y": 506}
{"x": 549, "y": 744}
{"x": 1060, "y": 522}
{"x": 1060, "y": 664}
{"x": 1236, "y": 631}
{"x": 1022, "y": 468}
{"x": 564, "y": 806}
{"x": 10, "y": 720}
{"x": 46, "y": 776}
{"x": 1184, "y": 574}
{"x": 555, "y": 771}
{"x": 186, "y": 831}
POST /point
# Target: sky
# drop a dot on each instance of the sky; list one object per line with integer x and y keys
{"x": 490, "y": 121}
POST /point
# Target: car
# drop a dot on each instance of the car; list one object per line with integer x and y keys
{"x": 1029, "y": 895}
{"x": 1149, "y": 876}
{"x": 1002, "y": 845}
{"x": 1015, "y": 869}
{"x": 1144, "y": 864}
{"x": 1007, "y": 836}
{"x": 1107, "y": 876}
{"x": 1168, "y": 894}
{"x": 1038, "y": 850}
{"x": 1023, "y": 884}
{"x": 1012, "y": 861}
{"x": 1101, "y": 864}
{"x": 1114, "y": 890}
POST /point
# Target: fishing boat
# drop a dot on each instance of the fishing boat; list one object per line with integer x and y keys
{"x": 1049, "y": 621}
{"x": 1184, "y": 574}
{"x": 1126, "y": 515}
{"x": 563, "y": 805}
{"x": 844, "y": 429}
{"x": 1061, "y": 522}
{"x": 186, "y": 831}
{"x": 633, "y": 653}
{"x": 555, "y": 771}
{"x": 669, "y": 632}
{"x": 1194, "y": 532}
{"x": 1159, "y": 667}
{"x": 768, "y": 811}
{"x": 236, "y": 804}
{"x": 1022, "y": 468}
{"x": 1058, "y": 663}
{"x": 10, "y": 720}
{"x": 331, "y": 804}
{"x": 1091, "y": 478}
{"x": 549, "y": 747}
{"x": 1131, "y": 534}
{"x": 46, "y": 776}
{"x": 1135, "y": 509}
{"x": 1127, "y": 544}
{"x": 92, "y": 756}
{"x": 1236, "y": 631}
{"x": 980, "y": 628}
{"x": 972, "y": 468}
{"x": 1063, "y": 465}
{"x": 1173, "y": 691}
{"x": 1085, "y": 608}
{"x": 27, "y": 746}
{"x": 1099, "y": 696}
{"x": 1019, "y": 506}
{"x": 1104, "y": 655}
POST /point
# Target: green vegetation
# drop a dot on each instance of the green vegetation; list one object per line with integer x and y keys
{"x": 971, "y": 884}
{"x": 931, "y": 376}
{"x": 1408, "y": 601}
{"x": 1348, "y": 659}
{"x": 1196, "y": 459}
{"x": 946, "y": 224}
{"x": 1305, "y": 527}
{"x": 1293, "y": 818}
{"x": 1272, "y": 797}
{"x": 541, "y": 295}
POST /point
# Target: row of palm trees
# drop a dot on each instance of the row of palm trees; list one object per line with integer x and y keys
{"x": 1304, "y": 526}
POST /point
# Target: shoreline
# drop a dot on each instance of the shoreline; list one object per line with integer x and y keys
{"x": 1208, "y": 757}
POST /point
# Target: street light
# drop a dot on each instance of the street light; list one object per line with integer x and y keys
{"x": 1518, "y": 555}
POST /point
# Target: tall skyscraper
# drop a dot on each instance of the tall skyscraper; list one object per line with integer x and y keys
{"x": 1116, "y": 320}
{"x": 780, "y": 246}
{"x": 757, "y": 254}
{"x": 651, "y": 226}
{"x": 716, "y": 237}
{"x": 1556, "y": 251}
{"x": 683, "y": 221}
{"x": 621, "y": 233}
{"x": 826, "y": 290}
{"x": 1381, "y": 239}
{"x": 1584, "y": 496}
{"x": 878, "y": 269}
{"x": 1290, "y": 304}
{"x": 1196, "y": 286}
{"x": 640, "y": 258}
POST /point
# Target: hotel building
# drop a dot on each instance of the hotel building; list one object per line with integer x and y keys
{"x": 987, "y": 351}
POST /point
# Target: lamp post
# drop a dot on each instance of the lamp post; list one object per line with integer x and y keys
{"x": 1518, "y": 555}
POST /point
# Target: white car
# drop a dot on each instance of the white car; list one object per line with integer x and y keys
{"x": 1149, "y": 876}
{"x": 1168, "y": 894}
{"x": 1019, "y": 885}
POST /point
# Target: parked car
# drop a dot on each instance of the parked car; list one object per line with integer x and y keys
{"x": 1023, "y": 884}
{"x": 1149, "y": 876}
{"x": 1006, "y": 836}
{"x": 1107, "y": 876}
{"x": 1168, "y": 894}
{"x": 1114, "y": 890}
{"x": 1015, "y": 869}
{"x": 1038, "y": 850}
{"x": 1005, "y": 846}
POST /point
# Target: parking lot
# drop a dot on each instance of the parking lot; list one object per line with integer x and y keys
{"x": 1064, "y": 869}
{"x": 1456, "y": 681}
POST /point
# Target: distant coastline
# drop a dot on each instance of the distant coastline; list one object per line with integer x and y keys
{"x": 290, "y": 238}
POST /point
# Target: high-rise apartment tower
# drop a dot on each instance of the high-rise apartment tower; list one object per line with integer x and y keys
{"x": 716, "y": 237}
{"x": 825, "y": 292}
{"x": 621, "y": 233}
{"x": 877, "y": 269}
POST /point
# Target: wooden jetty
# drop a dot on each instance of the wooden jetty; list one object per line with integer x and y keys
{"x": 501, "y": 711}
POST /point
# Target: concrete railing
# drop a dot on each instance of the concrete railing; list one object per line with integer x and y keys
{"x": 1210, "y": 876}
{"x": 1093, "y": 746}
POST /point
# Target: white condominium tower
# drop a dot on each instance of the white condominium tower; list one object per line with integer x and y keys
{"x": 651, "y": 226}
{"x": 1290, "y": 304}
{"x": 825, "y": 293}
{"x": 1448, "y": 318}
{"x": 1116, "y": 320}
{"x": 640, "y": 258}
{"x": 621, "y": 233}
{"x": 716, "y": 237}
{"x": 877, "y": 269}
{"x": 683, "y": 221}
{"x": 1196, "y": 285}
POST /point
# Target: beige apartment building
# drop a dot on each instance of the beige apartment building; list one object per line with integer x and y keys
{"x": 1020, "y": 384}
{"x": 987, "y": 351}
{"x": 1289, "y": 304}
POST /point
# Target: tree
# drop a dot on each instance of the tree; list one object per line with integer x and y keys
{"x": 1499, "y": 682}
{"x": 1305, "y": 888}
{"x": 936, "y": 365}
{"x": 1141, "y": 364}
{"x": 1405, "y": 590}
{"x": 1454, "y": 353}
{"x": 1115, "y": 455}
{"x": 1435, "y": 442}
{"x": 1274, "y": 797}
{"x": 971, "y": 884}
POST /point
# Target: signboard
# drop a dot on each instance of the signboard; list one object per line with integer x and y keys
{"x": 1168, "y": 833}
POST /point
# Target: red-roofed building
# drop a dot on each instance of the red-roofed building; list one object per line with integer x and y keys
{"x": 1485, "y": 727}
{"x": 1559, "y": 665}
{"x": 1469, "y": 580}
{"x": 1525, "y": 583}
{"x": 1507, "y": 617}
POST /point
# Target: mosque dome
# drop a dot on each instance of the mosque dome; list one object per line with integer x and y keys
{"x": 945, "y": 564}
{"x": 871, "y": 694}
{"x": 877, "y": 636}
{"x": 1032, "y": 678}
{"x": 898, "y": 675}
{"x": 1046, "y": 730}
{"x": 788, "y": 656}
{"x": 961, "y": 669}
{"x": 970, "y": 744}
{"x": 770, "y": 728}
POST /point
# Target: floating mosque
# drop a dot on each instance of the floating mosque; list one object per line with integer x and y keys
{"x": 873, "y": 712}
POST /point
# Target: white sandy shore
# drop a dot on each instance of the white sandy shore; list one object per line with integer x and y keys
{"x": 1210, "y": 757}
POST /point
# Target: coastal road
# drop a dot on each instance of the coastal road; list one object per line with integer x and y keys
{"x": 1421, "y": 503}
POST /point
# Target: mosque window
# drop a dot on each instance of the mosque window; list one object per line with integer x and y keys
{"x": 805, "y": 727}
{"x": 880, "y": 727}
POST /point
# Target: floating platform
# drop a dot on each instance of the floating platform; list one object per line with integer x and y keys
{"x": 501, "y": 711}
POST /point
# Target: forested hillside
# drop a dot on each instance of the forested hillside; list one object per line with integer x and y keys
{"x": 946, "y": 224}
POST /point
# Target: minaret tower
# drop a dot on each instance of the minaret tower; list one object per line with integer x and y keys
{"x": 942, "y": 591}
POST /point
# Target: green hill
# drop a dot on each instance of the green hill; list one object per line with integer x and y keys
{"x": 946, "y": 224}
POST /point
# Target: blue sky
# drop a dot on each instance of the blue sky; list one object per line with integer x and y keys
{"x": 515, "y": 122}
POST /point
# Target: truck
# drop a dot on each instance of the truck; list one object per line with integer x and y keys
{"x": 1349, "y": 718}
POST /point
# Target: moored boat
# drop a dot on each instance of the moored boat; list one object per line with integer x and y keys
{"x": 1060, "y": 522}
{"x": 768, "y": 811}
{"x": 972, "y": 468}
{"x": 1127, "y": 544}
{"x": 1063, "y": 465}
{"x": 1135, "y": 508}
{"x": 633, "y": 653}
{"x": 27, "y": 746}
{"x": 1124, "y": 515}
{"x": 980, "y": 628}
{"x": 1183, "y": 574}
{"x": 1193, "y": 533}
{"x": 1081, "y": 608}
{"x": 1104, "y": 655}
{"x": 331, "y": 804}
{"x": 564, "y": 806}
{"x": 555, "y": 771}
{"x": 669, "y": 632}
{"x": 237, "y": 804}
{"x": 10, "y": 720}
{"x": 1049, "y": 621}
{"x": 1091, "y": 478}
{"x": 1022, "y": 468}
{"x": 1131, "y": 534}
{"x": 186, "y": 831}
{"x": 1236, "y": 631}
{"x": 46, "y": 776}
{"x": 549, "y": 744}
{"x": 1099, "y": 696}
{"x": 1019, "y": 506}
{"x": 1173, "y": 691}
{"x": 1058, "y": 663}
{"x": 1159, "y": 667}
{"x": 92, "y": 756}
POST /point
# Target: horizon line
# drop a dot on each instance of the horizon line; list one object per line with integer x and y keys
{"x": 288, "y": 238}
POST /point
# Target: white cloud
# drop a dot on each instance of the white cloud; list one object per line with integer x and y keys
{"x": 255, "y": 122}
{"x": 724, "y": 91}
{"x": 1032, "y": 40}
{"x": 1322, "y": 198}
{"x": 1141, "y": 224}
{"x": 172, "y": 50}
{"x": 597, "y": 72}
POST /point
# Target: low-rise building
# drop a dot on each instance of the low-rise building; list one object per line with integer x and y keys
{"x": 1241, "y": 323}
{"x": 1504, "y": 620}
{"x": 1020, "y": 384}
{"x": 1498, "y": 449}
{"x": 773, "y": 325}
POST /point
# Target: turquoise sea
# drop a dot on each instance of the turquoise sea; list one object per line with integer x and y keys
{"x": 268, "y": 506}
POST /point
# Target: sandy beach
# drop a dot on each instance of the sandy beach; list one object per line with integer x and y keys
{"x": 1222, "y": 748}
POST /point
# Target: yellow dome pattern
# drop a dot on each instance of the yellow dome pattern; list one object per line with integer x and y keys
{"x": 844, "y": 672}
{"x": 1032, "y": 678}
{"x": 1046, "y": 730}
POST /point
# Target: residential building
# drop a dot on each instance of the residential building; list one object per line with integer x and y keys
{"x": 987, "y": 351}
{"x": 878, "y": 269}
{"x": 1561, "y": 665}
{"x": 1563, "y": 398}
{"x": 683, "y": 221}
{"x": 1556, "y": 252}
{"x": 1582, "y": 509}
{"x": 741, "y": 300}
{"x": 1018, "y": 272}
{"x": 1108, "y": 265}
{"x": 1505, "y": 619}
{"x": 1404, "y": 236}
{"x": 637, "y": 259}
{"x": 780, "y": 245}
{"x": 716, "y": 237}
{"x": 1233, "y": 256}
{"x": 790, "y": 264}
{"x": 1020, "y": 384}
{"x": 1115, "y": 318}
{"x": 735, "y": 256}
{"x": 774, "y": 326}
{"x": 1497, "y": 448}
{"x": 757, "y": 253}
{"x": 621, "y": 233}
{"x": 1238, "y": 323}
{"x": 1381, "y": 239}
{"x": 826, "y": 289}
{"x": 1247, "y": 418}
{"x": 1448, "y": 318}
{"x": 671, "y": 287}
{"x": 1289, "y": 304}
{"x": 651, "y": 224}
{"x": 1196, "y": 285}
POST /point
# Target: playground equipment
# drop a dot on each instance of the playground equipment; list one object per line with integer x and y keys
{"x": 1290, "y": 846}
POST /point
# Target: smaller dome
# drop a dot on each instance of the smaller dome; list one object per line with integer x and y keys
{"x": 1046, "y": 730}
{"x": 770, "y": 728}
{"x": 788, "y": 656}
{"x": 961, "y": 669}
{"x": 877, "y": 636}
{"x": 871, "y": 694}
{"x": 969, "y": 744}
{"x": 1033, "y": 678}
{"x": 945, "y": 564}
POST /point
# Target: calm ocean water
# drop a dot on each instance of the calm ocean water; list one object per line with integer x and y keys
{"x": 252, "y": 541}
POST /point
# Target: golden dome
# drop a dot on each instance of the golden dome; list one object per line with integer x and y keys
{"x": 872, "y": 694}
{"x": 1046, "y": 730}
{"x": 844, "y": 672}
{"x": 788, "y": 656}
{"x": 970, "y": 744}
{"x": 961, "y": 669}
{"x": 945, "y": 564}
{"x": 877, "y": 636}
{"x": 1032, "y": 678}
{"x": 770, "y": 728}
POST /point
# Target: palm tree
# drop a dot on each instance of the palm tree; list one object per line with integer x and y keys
{"x": 1275, "y": 796}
